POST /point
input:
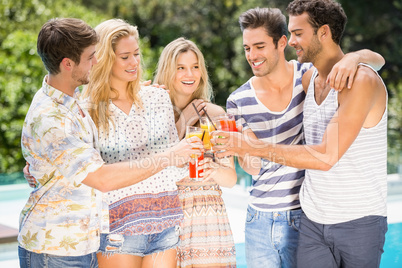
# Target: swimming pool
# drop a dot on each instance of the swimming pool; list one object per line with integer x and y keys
{"x": 392, "y": 257}
{"x": 13, "y": 198}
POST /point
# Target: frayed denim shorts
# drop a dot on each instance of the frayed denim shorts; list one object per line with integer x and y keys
{"x": 139, "y": 245}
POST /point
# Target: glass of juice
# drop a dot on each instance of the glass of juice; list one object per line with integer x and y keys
{"x": 193, "y": 165}
{"x": 206, "y": 126}
{"x": 225, "y": 122}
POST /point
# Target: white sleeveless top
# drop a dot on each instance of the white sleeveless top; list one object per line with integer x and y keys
{"x": 356, "y": 186}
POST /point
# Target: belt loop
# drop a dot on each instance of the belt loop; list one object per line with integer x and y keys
{"x": 288, "y": 217}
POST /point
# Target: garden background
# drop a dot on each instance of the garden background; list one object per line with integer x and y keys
{"x": 211, "y": 24}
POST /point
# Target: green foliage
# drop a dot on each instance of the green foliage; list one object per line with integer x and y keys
{"x": 213, "y": 25}
{"x": 377, "y": 25}
{"x": 21, "y": 70}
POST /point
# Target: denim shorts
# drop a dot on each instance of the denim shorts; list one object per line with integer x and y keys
{"x": 29, "y": 259}
{"x": 139, "y": 245}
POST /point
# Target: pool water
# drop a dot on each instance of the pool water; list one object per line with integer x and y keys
{"x": 13, "y": 198}
{"x": 391, "y": 258}
{"x": 14, "y": 192}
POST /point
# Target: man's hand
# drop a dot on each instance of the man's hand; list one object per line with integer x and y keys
{"x": 234, "y": 144}
{"x": 344, "y": 71}
{"x": 227, "y": 143}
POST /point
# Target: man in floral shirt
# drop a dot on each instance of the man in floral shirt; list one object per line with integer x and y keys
{"x": 61, "y": 222}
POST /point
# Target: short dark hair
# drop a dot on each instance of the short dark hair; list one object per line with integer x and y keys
{"x": 321, "y": 12}
{"x": 62, "y": 38}
{"x": 272, "y": 19}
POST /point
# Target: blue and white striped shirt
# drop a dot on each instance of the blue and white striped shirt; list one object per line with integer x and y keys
{"x": 276, "y": 187}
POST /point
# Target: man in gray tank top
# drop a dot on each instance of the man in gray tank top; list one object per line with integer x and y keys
{"x": 344, "y": 193}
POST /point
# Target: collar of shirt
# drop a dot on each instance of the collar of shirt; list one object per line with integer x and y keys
{"x": 62, "y": 98}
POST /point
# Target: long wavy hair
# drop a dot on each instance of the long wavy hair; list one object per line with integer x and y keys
{"x": 167, "y": 68}
{"x": 99, "y": 90}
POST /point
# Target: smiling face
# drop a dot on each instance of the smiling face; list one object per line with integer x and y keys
{"x": 260, "y": 51}
{"x": 303, "y": 38}
{"x": 127, "y": 61}
{"x": 188, "y": 74}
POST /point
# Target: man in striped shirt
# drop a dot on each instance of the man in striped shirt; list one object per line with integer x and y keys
{"x": 269, "y": 107}
{"x": 341, "y": 227}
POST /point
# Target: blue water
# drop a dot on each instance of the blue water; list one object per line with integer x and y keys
{"x": 392, "y": 257}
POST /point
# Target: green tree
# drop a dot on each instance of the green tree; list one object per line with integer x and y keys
{"x": 377, "y": 25}
{"x": 21, "y": 70}
{"x": 213, "y": 25}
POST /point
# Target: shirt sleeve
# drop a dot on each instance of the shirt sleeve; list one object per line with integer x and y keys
{"x": 68, "y": 145}
{"x": 232, "y": 108}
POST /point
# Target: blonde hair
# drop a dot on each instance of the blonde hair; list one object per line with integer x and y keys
{"x": 99, "y": 90}
{"x": 167, "y": 68}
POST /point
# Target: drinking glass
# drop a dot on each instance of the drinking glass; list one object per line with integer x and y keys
{"x": 193, "y": 165}
{"x": 206, "y": 126}
{"x": 225, "y": 122}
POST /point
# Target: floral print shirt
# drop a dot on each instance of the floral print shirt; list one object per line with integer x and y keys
{"x": 62, "y": 216}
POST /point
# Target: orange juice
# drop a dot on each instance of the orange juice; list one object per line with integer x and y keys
{"x": 197, "y": 134}
{"x": 228, "y": 125}
{"x": 207, "y": 139}
{"x": 193, "y": 165}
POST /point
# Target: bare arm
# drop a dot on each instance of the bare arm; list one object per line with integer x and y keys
{"x": 119, "y": 175}
{"x": 360, "y": 107}
{"x": 343, "y": 72}
{"x": 188, "y": 117}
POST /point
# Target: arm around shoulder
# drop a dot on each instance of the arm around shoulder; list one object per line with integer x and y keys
{"x": 369, "y": 57}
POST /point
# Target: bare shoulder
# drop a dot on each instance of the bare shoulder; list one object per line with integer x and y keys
{"x": 306, "y": 78}
{"x": 367, "y": 97}
{"x": 367, "y": 89}
{"x": 367, "y": 80}
{"x": 214, "y": 110}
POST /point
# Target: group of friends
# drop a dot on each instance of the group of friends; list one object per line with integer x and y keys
{"x": 109, "y": 164}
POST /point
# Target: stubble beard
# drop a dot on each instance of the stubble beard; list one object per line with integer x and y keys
{"x": 312, "y": 52}
{"x": 83, "y": 80}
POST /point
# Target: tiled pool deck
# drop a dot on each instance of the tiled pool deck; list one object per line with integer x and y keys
{"x": 13, "y": 198}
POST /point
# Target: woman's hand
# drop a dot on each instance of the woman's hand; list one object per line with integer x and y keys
{"x": 181, "y": 153}
{"x": 189, "y": 113}
{"x": 222, "y": 171}
{"x": 29, "y": 178}
{"x": 148, "y": 83}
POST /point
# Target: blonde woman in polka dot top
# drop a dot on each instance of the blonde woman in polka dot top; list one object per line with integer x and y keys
{"x": 206, "y": 236}
{"x": 134, "y": 122}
